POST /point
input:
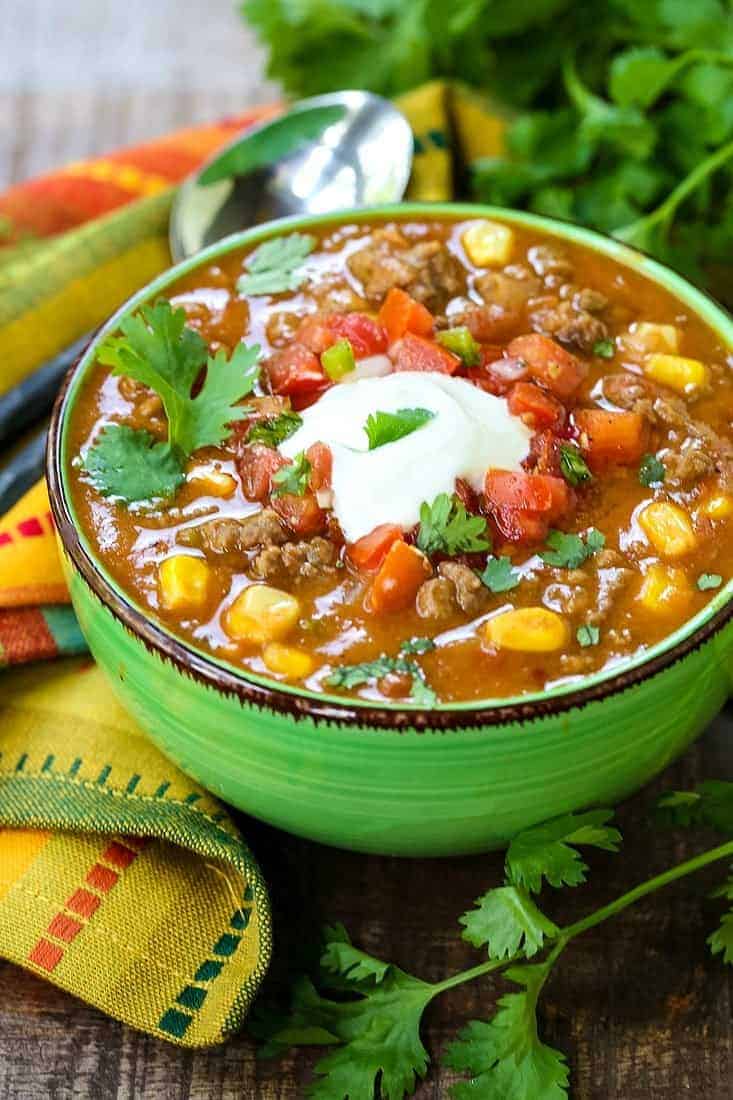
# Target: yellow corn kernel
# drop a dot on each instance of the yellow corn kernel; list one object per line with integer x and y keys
{"x": 288, "y": 661}
{"x": 261, "y": 614}
{"x": 529, "y": 629}
{"x": 212, "y": 483}
{"x": 668, "y": 529}
{"x": 184, "y": 582}
{"x": 719, "y": 506}
{"x": 488, "y": 244}
{"x": 677, "y": 372}
{"x": 664, "y": 589}
{"x": 648, "y": 337}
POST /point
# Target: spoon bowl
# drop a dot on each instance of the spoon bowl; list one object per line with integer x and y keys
{"x": 328, "y": 153}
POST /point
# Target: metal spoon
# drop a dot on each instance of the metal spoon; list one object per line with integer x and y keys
{"x": 332, "y": 152}
{"x": 328, "y": 153}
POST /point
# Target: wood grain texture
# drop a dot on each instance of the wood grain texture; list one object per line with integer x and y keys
{"x": 641, "y": 1009}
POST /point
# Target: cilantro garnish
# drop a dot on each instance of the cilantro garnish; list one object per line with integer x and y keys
{"x": 274, "y": 266}
{"x": 573, "y": 466}
{"x": 570, "y": 551}
{"x": 386, "y": 427}
{"x": 370, "y": 1012}
{"x": 418, "y": 645}
{"x": 604, "y": 349}
{"x": 588, "y": 635}
{"x": 499, "y": 576}
{"x": 707, "y": 581}
{"x": 353, "y": 676}
{"x": 129, "y": 464}
{"x": 275, "y": 429}
{"x": 294, "y": 478}
{"x": 156, "y": 349}
{"x": 446, "y": 527}
{"x": 651, "y": 471}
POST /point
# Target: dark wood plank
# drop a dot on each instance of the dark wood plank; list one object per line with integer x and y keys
{"x": 638, "y": 1004}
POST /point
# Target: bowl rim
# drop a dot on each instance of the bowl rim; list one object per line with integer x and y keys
{"x": 297, "y": 702}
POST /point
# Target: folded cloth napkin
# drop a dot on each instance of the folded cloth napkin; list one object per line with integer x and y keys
{"x": 120, "y": 879}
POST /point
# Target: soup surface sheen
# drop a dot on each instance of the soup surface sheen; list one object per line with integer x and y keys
{"x": 472, "y": 461}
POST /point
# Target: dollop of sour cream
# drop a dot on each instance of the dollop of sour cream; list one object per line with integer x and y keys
{"x": 470, "y": 432}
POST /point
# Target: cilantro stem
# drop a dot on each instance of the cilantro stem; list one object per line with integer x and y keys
{"x": 690, "y": 866}
{"x": 475, "y": 972}
{"x": 665, "y": 212}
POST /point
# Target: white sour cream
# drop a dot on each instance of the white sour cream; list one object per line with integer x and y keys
{"x": 471, "y": 431}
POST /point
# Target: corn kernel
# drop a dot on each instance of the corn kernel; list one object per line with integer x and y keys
{"x": 647, "y": 337}
{"x": 212, "y": 483}
{"x": 184, "y": 582}
{"x": 261, "y": 614}
{"x": 668, "y": 528}
{"x": 528, "y": 629}
{"x": 287, "y": 660}
{"x": 664, "y": 589}
{"x": 719, "y": 506}
{"x": 677, "y": 372}
{"x": 488, "y": 244}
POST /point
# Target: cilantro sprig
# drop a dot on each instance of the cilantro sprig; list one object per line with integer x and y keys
{"x": 570, "y": 551}
{"x": 276, "y": 266}
{"x": 386, "y": 427}
{"x": 447, "y": 528}
{"x": 369, "y": 1012}
{"x": 573, "y": 466}
{"x": 274, "y": 430}
{"x": 156, "y": 348}
{"x": 499, "y": 576}
{"x": 651, "y": 471}
{"x": 349, "y": 677}
{"x": 293, "y": 479}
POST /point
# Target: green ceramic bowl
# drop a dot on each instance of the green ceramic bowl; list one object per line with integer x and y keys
{"x": 394, "y": 779}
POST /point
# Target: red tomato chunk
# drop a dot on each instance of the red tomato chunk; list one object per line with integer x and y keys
{"x": 524, "y": 505}
{"x": 550, "y": 364}
{"x": 370, "y": 550}
{"x": 295, "y": 371}
{"x": 415, "y": 353}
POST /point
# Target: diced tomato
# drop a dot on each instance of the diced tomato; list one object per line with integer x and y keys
{"x": 400, "y": 575}
{"x": 400, "y": 313}
{"x": 544, "y": 454}
{"x": 607, "y": 438}
{"x": 496, "y": 373}
{"x": 524, "y": 505}
{"x": 302, "y": 514}
{"x": 366, "y": 336}
{"x": 549, "y": 363}
{"x": 370, "y": 550}
{"x": 536, "y": 408}
{"x": 315, "y": 333}
{"x": 467, "y": 496}
{"x": 415, "y": 353}
{"x": 256, "y": 464}
{"x": 295, "y": 370}
{"x": 321, "y": 459}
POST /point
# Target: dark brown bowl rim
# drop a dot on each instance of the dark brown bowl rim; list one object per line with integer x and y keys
{"x": 294, "y": 705}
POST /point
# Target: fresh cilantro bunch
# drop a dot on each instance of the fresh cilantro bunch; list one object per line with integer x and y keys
{"x": 368, "y": 1012}
{"x": 619, "y": 110}
{"x": 157, "y": 349}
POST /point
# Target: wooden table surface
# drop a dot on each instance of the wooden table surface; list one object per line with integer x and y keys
{"x": 639, "y": 1006}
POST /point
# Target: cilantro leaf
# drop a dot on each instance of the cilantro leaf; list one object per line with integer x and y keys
{"x": 573, "y": 466}
{"x": 545, "y": 850}
{"x": 421, "y": 693}
{"x": 446, "y": 527}
{"x": 506, "y": 920}
{"x": 417, "y": 645}
{"x": 721, "y": 940}
{"x": 128, "y": 464}
{"x": 274, "y": 266}
{"x": 604, "y": 349}
{"x": 651, "y": 471}
{"x": 274, "y": 430}
{"x": 386, "y": 427}
{"x": 710, "y": 803}
{"x": 588, "y": 635}
{"x": 708, "y": 581}
{"x": 570, "y": 551}
{"x": 505, "y": 1055}
{"x": 352, "y": 676}
{"x": 293, "y": 478}
{"x": 341, "y": 957}
{"x": 157, "y": 349}
{"x": 499, "y": 576}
